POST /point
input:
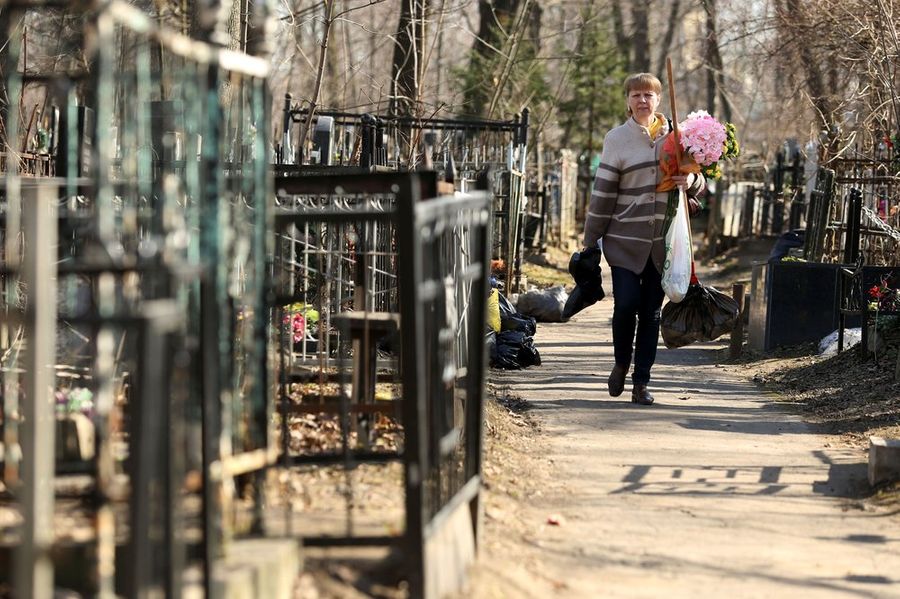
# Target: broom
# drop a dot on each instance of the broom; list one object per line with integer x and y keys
{"x": 705, "y": 313}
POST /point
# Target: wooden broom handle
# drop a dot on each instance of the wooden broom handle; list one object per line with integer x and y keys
{"x": 671, "y": 82}
{"x": 687, "y": 211}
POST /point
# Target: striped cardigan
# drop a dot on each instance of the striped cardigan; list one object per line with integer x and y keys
{"x": 625, "y": 210}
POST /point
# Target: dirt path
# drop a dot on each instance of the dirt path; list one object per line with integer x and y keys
{"x": 715, "y": 491}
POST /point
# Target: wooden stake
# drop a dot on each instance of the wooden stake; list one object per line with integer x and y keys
{"x": 673, "y": 107}
{"x": 671, "y": 83}
{"x": 737, "y": 333}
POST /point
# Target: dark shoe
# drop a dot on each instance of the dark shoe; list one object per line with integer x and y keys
{"x": 640, "y": 395}
{"x": 616, "y": 380}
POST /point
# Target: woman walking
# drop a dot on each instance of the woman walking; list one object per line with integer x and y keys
{"x": 625, "y": 218}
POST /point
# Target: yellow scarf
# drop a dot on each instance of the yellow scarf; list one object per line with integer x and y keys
{"x": 655, "y": 127}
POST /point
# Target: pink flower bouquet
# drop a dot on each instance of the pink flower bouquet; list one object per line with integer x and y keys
{"x": 703, "y": 137}
{"x": 704, "y": 142}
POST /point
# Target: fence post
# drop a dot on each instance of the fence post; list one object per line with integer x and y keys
{"x": 748, "y": 210}
{"x": 854, "y": 214}
{"x": 737, "y": 333}
{"x": 34, "y": 565}
{"x": 287, "y": 151}
{"x": 412, "y": 368}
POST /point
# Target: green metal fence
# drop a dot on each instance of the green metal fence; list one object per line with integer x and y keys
{"x": 162, "y": 218}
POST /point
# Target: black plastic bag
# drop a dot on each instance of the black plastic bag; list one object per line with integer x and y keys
{"x": 723, "y": 311}
{"x": 517, "y": 322}
{"x": 513, "y": 346}
{"x": 507, "y": 357}
{"x": 515, "y": 350}
{"x": 545, "y": 306}
{"x": 528, "y": 354}
{"x": 490, "y": 346}
{"x": 510, "y": 320}
{"x": 506, "y": 308}
{"x": 503, "y": 355}
{"x": 585, "y": 270}
{"x": 704, "y": 314}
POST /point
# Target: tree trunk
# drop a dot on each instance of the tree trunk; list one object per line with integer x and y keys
{"x": 640, "y": 14}
{"x": 522, "y": 23}
{"x": 622, "y": 42}
{"x": 710, "y": 8}
{"x": 495, "y": 23}
{"x": 715, "y": 86}
{"x": 320, "y": 75}
{"x": 815, "y": 81}
{"x": 671, "y": 26}
{"x": 408, "y": 53}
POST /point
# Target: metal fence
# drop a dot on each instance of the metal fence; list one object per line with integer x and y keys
{"x": 161, "y": 268}
{"x": 858, "y": 212}
{"x": 381, "y": 303}
{"x": 459, "y": 150}
{"x": 848, "y": 208}
{"x": 196, "y": 323}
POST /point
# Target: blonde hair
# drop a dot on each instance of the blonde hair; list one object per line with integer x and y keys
{"x": 641, "y": 81}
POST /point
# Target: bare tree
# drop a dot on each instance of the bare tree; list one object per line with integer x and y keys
{"x": 845, "y": 54}
{"x": 408, "y": 57}
{"x": 715, "y": 74}
{"x": 671, "y": 25}
{"x": 640, "y": 16}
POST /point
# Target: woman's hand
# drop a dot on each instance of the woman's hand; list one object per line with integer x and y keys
{"x": 682, "y": 181}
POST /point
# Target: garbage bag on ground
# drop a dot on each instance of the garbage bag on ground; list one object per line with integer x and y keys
{"x": 704, "y": 314}
{"x": 515, "y": 350}
{"x": 512, "y": 347}
{"x": 490, "y": 346}
{"x": 518, "y": 322}
{"x": 544, "y": 305}
{"x": 506, "y": 308}
{"x": 510, "y": 320}
{"x": 585, "y": 270}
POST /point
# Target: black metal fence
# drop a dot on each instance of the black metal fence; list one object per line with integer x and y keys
{"x": 859, "y": 212}
{"x": 381, "y": 301}
{"x": 848, "y": 208}
{"x": 459, "y": 150}
{"x": 159, "y": 346}
{"x": 208, "y": 331}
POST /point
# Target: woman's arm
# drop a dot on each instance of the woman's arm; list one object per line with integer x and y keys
{"x": 603, "y": 195}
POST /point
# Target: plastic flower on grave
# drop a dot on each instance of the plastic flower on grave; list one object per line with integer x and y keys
{"x": 295, "y": 326}
{"x": 883, "y": 297}
{"x": 296, "y": 319}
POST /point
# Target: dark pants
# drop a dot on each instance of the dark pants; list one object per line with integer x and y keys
{"x": 637, "y": 299}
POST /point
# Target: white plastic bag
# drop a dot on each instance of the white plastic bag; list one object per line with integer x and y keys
{"x": 676, "y": 275}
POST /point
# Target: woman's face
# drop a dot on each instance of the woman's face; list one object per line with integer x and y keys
{"x": 643, "y": 104}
